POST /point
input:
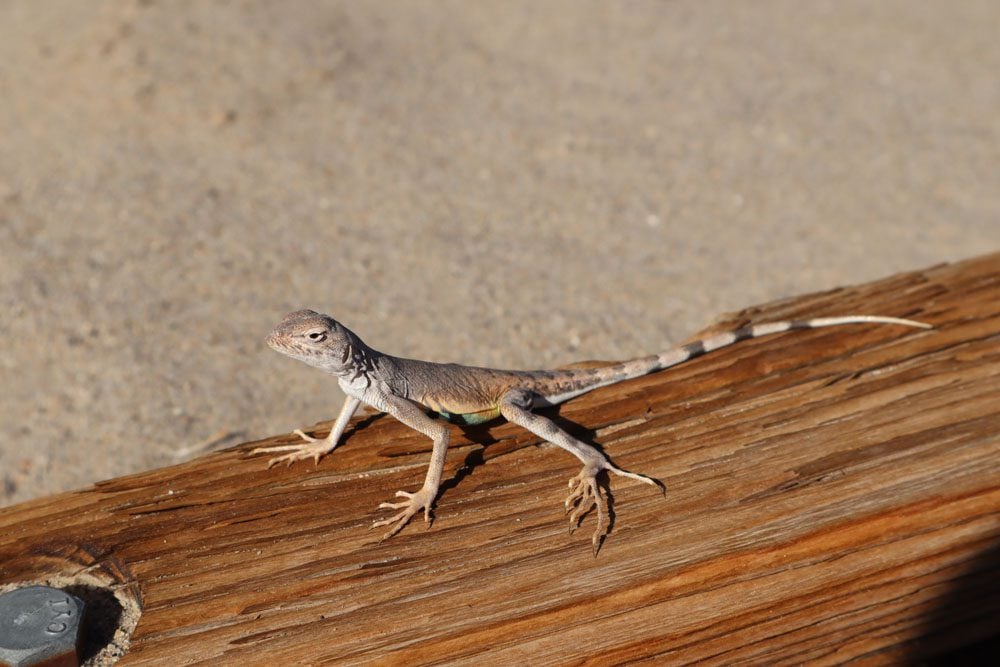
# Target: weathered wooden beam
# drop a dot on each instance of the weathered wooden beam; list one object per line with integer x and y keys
{"x": 831, "y": 495}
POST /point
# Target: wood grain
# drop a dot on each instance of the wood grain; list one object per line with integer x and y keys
{"x": 832, "y": 495}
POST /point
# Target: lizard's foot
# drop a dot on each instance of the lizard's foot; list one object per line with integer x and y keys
{"x": 421, "y": 500}
{"x": 313, "y": 448}
{"x": 585, "y": 493}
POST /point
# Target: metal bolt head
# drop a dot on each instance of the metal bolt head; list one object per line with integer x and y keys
{"x": 40, "y": 627}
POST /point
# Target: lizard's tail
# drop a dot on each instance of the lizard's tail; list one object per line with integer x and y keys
{"x": 681, "y": 354}
{"x": 588, "y": 380}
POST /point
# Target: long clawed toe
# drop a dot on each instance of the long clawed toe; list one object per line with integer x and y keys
{"x": 586, "y": 493}
{"x": 305, "y": 436}
{"x": 652, "y": 481}
{"x": 295, "y": 453}
{"x": 414, "y": 502}
{"x": 312, "y": 448}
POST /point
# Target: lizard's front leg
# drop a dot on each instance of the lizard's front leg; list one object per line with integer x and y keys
{"x": 313, "y": 448}
{"x": 585, "y": 492}
{"x": 413, "y": 416}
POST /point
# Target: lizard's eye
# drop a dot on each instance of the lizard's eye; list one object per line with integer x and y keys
{"x": 316, "y": 336}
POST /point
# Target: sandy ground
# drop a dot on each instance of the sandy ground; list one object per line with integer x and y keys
{"x": 517, "y": 184}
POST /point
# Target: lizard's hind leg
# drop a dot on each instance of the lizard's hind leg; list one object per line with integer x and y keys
{"x": 585, "y": 491}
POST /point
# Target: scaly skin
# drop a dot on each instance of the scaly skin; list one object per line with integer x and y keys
{"x": 406, "y": 388}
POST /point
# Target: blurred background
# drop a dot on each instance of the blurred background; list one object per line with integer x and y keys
{"x": 513, "y": 184}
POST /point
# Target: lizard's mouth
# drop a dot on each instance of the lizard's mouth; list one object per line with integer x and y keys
{"x": 290, "y": 348}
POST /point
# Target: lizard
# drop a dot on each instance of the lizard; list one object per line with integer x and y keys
{"x": 412, "y": 390}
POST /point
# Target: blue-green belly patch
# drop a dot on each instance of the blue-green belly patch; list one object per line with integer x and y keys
{"x": 471, "y": 418}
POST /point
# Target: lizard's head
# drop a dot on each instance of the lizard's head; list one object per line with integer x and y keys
{"x": 317, "y": 339}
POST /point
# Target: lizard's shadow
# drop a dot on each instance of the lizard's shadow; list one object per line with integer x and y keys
{"x": 364, "y": 423}
{"x": 481, "y": 434}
